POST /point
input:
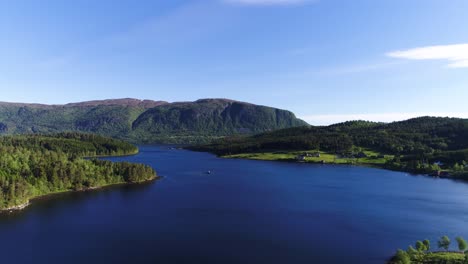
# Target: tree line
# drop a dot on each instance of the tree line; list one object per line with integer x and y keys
{"x": 78, "y": 144}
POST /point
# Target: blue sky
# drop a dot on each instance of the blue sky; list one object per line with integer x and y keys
{"x": 325, "y": 60}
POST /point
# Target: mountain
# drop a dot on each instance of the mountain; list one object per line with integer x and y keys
{"x": 146, "y": 121}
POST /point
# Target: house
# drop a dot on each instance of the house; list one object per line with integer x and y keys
{"x": 314, "y": 155}
{"x": 300, "y": 158}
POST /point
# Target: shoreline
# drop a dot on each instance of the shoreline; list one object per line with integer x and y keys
{"x": 21, "y": 207}
{"x": 367, "y": 165}
{"x": 16, "y": 207}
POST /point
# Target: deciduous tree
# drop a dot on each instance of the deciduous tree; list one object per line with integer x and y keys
{"x": 444, "y": 243}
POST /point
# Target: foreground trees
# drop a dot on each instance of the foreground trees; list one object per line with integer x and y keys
{"x": 444, "y": 242}
{"x": 421, "y": 254}
{"x": 34, "y": 165}
{"x": 427, "y": 244}
{"x": 402, "y": 257}
{"x": 462, "y": 245}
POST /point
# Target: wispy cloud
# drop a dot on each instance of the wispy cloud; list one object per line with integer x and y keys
{"x": 267, "y": 2}
{"x": 382, "y": 117}
{"x": 456, "y": 55}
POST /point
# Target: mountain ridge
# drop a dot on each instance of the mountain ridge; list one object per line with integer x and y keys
{"x": 147, "y": 121}
{"x": 118, "y": 101}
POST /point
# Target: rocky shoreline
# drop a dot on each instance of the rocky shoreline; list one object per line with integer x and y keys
{"x": 15, "y": 207}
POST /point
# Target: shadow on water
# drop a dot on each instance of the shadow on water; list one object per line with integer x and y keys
{"x": 56, "y": 202}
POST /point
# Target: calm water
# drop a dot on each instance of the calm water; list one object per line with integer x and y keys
{"x": 244, "y": 212}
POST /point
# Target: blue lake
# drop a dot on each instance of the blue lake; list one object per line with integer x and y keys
{"x": 243, "y": 212}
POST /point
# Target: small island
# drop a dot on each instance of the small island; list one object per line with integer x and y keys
{"x": 421, "y": 253}
{"x": 32, "y": 166}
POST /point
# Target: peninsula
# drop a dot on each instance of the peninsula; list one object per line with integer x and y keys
{"x": 36, "y": 165}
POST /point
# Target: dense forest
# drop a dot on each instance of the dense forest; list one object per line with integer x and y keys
{"x": 423, "y": 144}
{"x": 35, "y": 165}
{"x": 146, "y": 121}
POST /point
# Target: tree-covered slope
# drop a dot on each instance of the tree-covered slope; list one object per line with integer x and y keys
{"x": 109, "y": 117}
{"x": 35, "y": 165}
{"x": 146, "y": 121}
{"x": 414, "y": 136}
{"x": 415, "y": 143}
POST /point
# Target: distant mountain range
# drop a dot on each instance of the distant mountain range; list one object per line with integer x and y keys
{"x": 147, "y": 121}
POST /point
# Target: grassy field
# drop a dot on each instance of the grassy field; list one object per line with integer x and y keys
{"x": 373, "y": 158}
{"x": 444, "y": 257}
{"x": 435, "y": 258}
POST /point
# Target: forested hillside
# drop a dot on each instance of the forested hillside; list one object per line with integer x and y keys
{"x": 416, "y": 143}
{"x": 147, "y": 121}
{"x": 36, "y": 165}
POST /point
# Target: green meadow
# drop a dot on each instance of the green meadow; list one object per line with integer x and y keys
{"x": 373, "y": 158}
